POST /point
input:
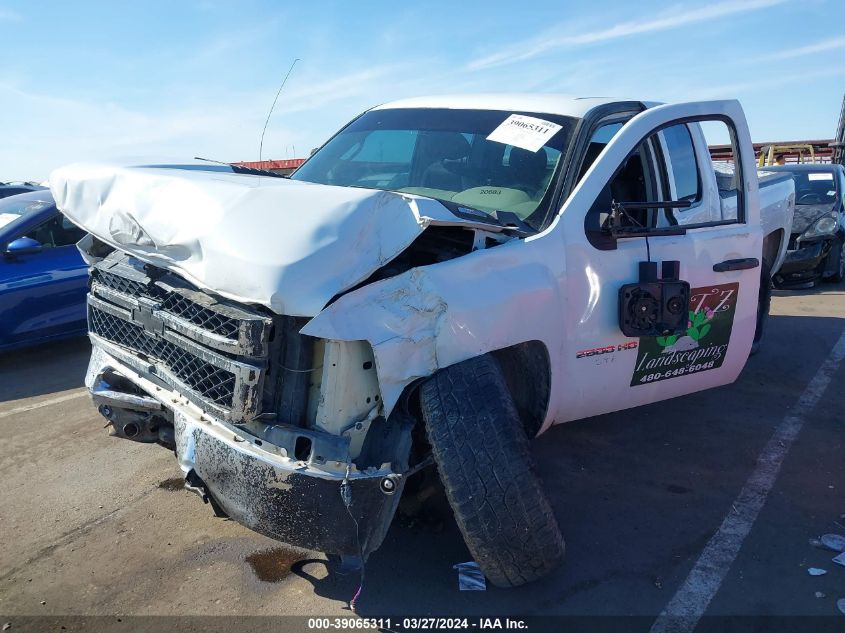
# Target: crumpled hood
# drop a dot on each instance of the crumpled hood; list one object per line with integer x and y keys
{"x": 806, "y": 214}
{"x": 288, "y": 245}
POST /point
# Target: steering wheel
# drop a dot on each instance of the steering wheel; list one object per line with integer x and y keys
{"x": 810, "y": 198}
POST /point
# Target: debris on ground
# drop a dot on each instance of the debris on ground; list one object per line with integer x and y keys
{"x": 7, "y": 626}
{"x": 835, "y": 542}
{"x": 840, "y": 560}
{"x": 470, "y": 577}
{"x": 821, "y": 594}
{"x": 841, "y": 604}
{"x": 815, "y": 571}
{"x": 814, "y": 542}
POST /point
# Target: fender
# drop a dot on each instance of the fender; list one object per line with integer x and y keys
{"x": 434, "y": 316}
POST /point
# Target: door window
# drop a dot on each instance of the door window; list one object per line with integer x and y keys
{"x": 633, "y": 182}
{"x": 730, "y": 200}
{"x": 667, "y": 169}
{"x": 680, "y": 164}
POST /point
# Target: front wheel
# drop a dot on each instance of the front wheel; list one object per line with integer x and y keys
{"x": 482, "y": 454}
{"x": 836, "y": 261}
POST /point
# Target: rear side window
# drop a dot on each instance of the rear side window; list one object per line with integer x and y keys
{"x": 682, "y": 166}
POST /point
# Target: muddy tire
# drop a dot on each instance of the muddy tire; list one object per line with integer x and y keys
{"x": 764, "y": 304}
{"x": 482, "y": 455}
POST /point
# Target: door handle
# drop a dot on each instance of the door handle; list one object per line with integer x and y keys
{"x": 736, "y": 264}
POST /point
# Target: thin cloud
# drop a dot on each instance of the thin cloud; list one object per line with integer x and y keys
{"x": 820, "y": 47}
{"x": 755, "y": 86}
{"x": 7, "y": 15}
{"x": 550, "y": 40}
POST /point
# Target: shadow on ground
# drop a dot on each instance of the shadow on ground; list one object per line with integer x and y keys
{"x": 45, "y": 369}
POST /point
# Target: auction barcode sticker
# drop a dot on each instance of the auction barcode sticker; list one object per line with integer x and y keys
{"x": 526, "y": 132}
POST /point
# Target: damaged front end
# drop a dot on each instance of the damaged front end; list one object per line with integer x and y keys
{"x": 277, "y": 356}
{"x": 282, "y": 432}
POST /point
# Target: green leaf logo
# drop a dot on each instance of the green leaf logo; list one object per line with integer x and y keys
{"x": 666, "y": 341}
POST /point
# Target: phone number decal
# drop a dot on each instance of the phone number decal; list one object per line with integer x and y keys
{"x": 680, "y": 371}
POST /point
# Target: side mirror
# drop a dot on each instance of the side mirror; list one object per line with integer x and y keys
{"x": 23, "y": 246}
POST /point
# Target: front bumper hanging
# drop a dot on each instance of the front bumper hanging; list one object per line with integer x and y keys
{"x": 322, "y": 504}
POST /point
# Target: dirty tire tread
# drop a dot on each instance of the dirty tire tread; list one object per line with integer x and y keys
{"x": 483, "y": 458}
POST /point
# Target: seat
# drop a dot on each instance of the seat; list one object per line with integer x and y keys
{"x": 446, "y": 154}
{"x": 527, "y": 170}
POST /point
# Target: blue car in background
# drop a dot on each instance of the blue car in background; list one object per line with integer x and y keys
{"x": 43, "y": 278}
{"x": 14, "y": 188}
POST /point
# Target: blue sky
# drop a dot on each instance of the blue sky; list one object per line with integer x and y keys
{"x": 104, "y": 80}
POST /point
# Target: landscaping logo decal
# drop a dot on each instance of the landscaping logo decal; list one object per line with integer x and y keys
{"x": 702, "y": 347}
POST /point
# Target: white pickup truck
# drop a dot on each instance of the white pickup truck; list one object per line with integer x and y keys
{"x": 443, "y": 280}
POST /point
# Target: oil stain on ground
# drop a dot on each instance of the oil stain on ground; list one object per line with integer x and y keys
{"x": 173, "y": 484}
{"x": 272, "y": 565}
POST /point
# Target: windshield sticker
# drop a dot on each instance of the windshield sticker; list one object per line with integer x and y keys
{"x": 6, "y": 218}
{"x": 525, "y": 132}
{"x": 820, "y": 176}
{"x": 702, "y": 347}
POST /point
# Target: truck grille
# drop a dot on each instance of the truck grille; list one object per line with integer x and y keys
{"x": 213, "y": 383}
{"x": 214, "y": 351}
{"x": 202, "y": 317}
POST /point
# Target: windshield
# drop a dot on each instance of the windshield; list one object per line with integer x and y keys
{"x": 448, "y": 155}
{"x": 814, "y": 187}
{"x": 15, "y": 207}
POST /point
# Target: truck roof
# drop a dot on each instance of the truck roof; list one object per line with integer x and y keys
{"x": 564, "y": 105}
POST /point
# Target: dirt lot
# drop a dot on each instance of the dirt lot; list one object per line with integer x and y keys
{"x": 97, "y": 526}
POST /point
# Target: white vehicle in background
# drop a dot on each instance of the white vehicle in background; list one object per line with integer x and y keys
{"x": 443, "y": 280}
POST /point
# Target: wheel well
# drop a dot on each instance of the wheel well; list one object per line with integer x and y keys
{"x": 527, "y": 372}
{"x": 771, "y": 246}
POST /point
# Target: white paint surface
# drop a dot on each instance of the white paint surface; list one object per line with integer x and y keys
{"x": 293, "y": 246}
{"x": 565, "y": 105}
{"x": 691, "y": 600}
{"x": 288, "y": 245}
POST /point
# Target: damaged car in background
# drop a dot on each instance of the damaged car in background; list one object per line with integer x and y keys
{"x": 445, "y": 279}
{"x": 817, "y": 241}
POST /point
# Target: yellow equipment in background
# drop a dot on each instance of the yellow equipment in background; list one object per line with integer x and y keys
{"x": 768, "y": 153}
